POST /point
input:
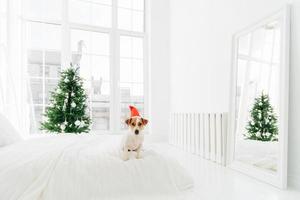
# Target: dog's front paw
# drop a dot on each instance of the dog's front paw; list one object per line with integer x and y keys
{"x": 138, "y": 156}
{"x": 125, "y": 157}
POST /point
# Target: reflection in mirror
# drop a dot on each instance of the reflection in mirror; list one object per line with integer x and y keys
{"x": 257, "y": 97}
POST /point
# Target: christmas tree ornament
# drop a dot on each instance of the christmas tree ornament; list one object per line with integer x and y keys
{"x": 63, "y": 126}
{"x": 77, "y": 123}
{"x": 73, "y": 105}
{"x": 258, "y": 134}
{"x": 66, "y": 80}
{"x": 82, "y": 124}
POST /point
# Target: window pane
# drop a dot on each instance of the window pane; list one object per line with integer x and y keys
{"x": 100, "y": 119}
{"x": 97, "y": 13}
{"x": 137, "y": 48}
{"x": 131, "y": 47}
{"x": 138, "y": 5}
{"x": 3, "y": 6}
{"x": 131, "y": 75}
{"x": 35, "y": 35}
{"x": 36, "y": 116}
{"x": 125, "y": 4}
{"x": 35, "y": 63}
{"x": 137, "y": 21}
{"x": 258, "y": 42}
{"x": 276, "y": 46}
{"x": 125, "y": 70}
{"x": 92, "y": 42}
{"x": 100, "y": 68}
{"x": 91, "y": 50}
{"x": 52, "y": 64}
{"x": 137, "y": 71}
{"x": 36, "y": 86}
{"x": 43, "y": 36}
{"x": 244, "y": 44}
{"x": 3, "y": 30}
{"x": 103, "y": 2}
{"x": 126, "y": 47}
{"x": 50, "y": 85}
{"x": 43, "y": 9}
{"x": 274, "y": 81}
{"x": 131, "y": 70}
{"x": 124, "y": 19}
{"x": 131, "y": 4}
{"x": 35, "y": 70}
{"x": 131, "y": 15}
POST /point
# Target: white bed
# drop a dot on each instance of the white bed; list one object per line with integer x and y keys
{"x": 87, "y": 167}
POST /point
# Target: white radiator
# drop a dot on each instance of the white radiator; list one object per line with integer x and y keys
{"x": 203, "y": 134}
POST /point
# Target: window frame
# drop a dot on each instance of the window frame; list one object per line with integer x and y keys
{"x": 114, "y": 44}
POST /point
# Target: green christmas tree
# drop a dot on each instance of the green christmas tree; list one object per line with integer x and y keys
{"x": 263, "y": 123}
{"x": 67, "y": 110}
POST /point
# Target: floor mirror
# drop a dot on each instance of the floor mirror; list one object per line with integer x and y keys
{"x": 258, "y": 130}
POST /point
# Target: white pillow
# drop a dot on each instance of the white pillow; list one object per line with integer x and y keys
{"x": 8, "y": 133}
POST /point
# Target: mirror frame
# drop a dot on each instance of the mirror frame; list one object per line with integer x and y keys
{"x": 280, "y": 179}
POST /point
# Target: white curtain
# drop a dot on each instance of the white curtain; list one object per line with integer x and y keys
{"x": 13, "y": 90}
{"x": 3, "y": 67}
{"x": 3, "y": 51}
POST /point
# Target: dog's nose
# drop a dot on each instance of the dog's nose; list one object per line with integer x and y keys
{"x": 136, "y": 132}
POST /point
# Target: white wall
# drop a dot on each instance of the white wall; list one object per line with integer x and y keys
{"x": 159, "y": 67}
{"x": 200, "y": 58}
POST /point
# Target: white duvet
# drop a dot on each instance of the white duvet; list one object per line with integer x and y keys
{"x": 87, "y": 167}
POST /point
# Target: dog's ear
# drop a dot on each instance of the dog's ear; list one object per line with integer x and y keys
{"x": 128, "y": 121}
{"x": 144, "y": 121}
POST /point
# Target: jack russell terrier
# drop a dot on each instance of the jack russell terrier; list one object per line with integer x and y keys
{"x": 134, "y": 138}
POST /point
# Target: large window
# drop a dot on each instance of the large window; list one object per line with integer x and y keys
{"x": 106, "y": 38}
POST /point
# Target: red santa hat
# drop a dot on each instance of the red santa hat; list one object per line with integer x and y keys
{"x": 134, "y": 111}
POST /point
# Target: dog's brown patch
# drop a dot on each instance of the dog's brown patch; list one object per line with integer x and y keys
{"x": 144, "y": 121}
{"x": 128, "y": 121}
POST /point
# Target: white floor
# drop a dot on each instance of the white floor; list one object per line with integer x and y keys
{"x": 216, "y": 182}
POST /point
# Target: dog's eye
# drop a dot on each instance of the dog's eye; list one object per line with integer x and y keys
{"x": 140, "y": 124}
{"x": 133, "y": 124}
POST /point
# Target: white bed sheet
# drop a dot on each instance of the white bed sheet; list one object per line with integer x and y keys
{"x": 87, "y": 167}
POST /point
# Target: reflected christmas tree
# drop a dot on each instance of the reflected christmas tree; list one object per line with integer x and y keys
{"x": 263, "y": 123}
